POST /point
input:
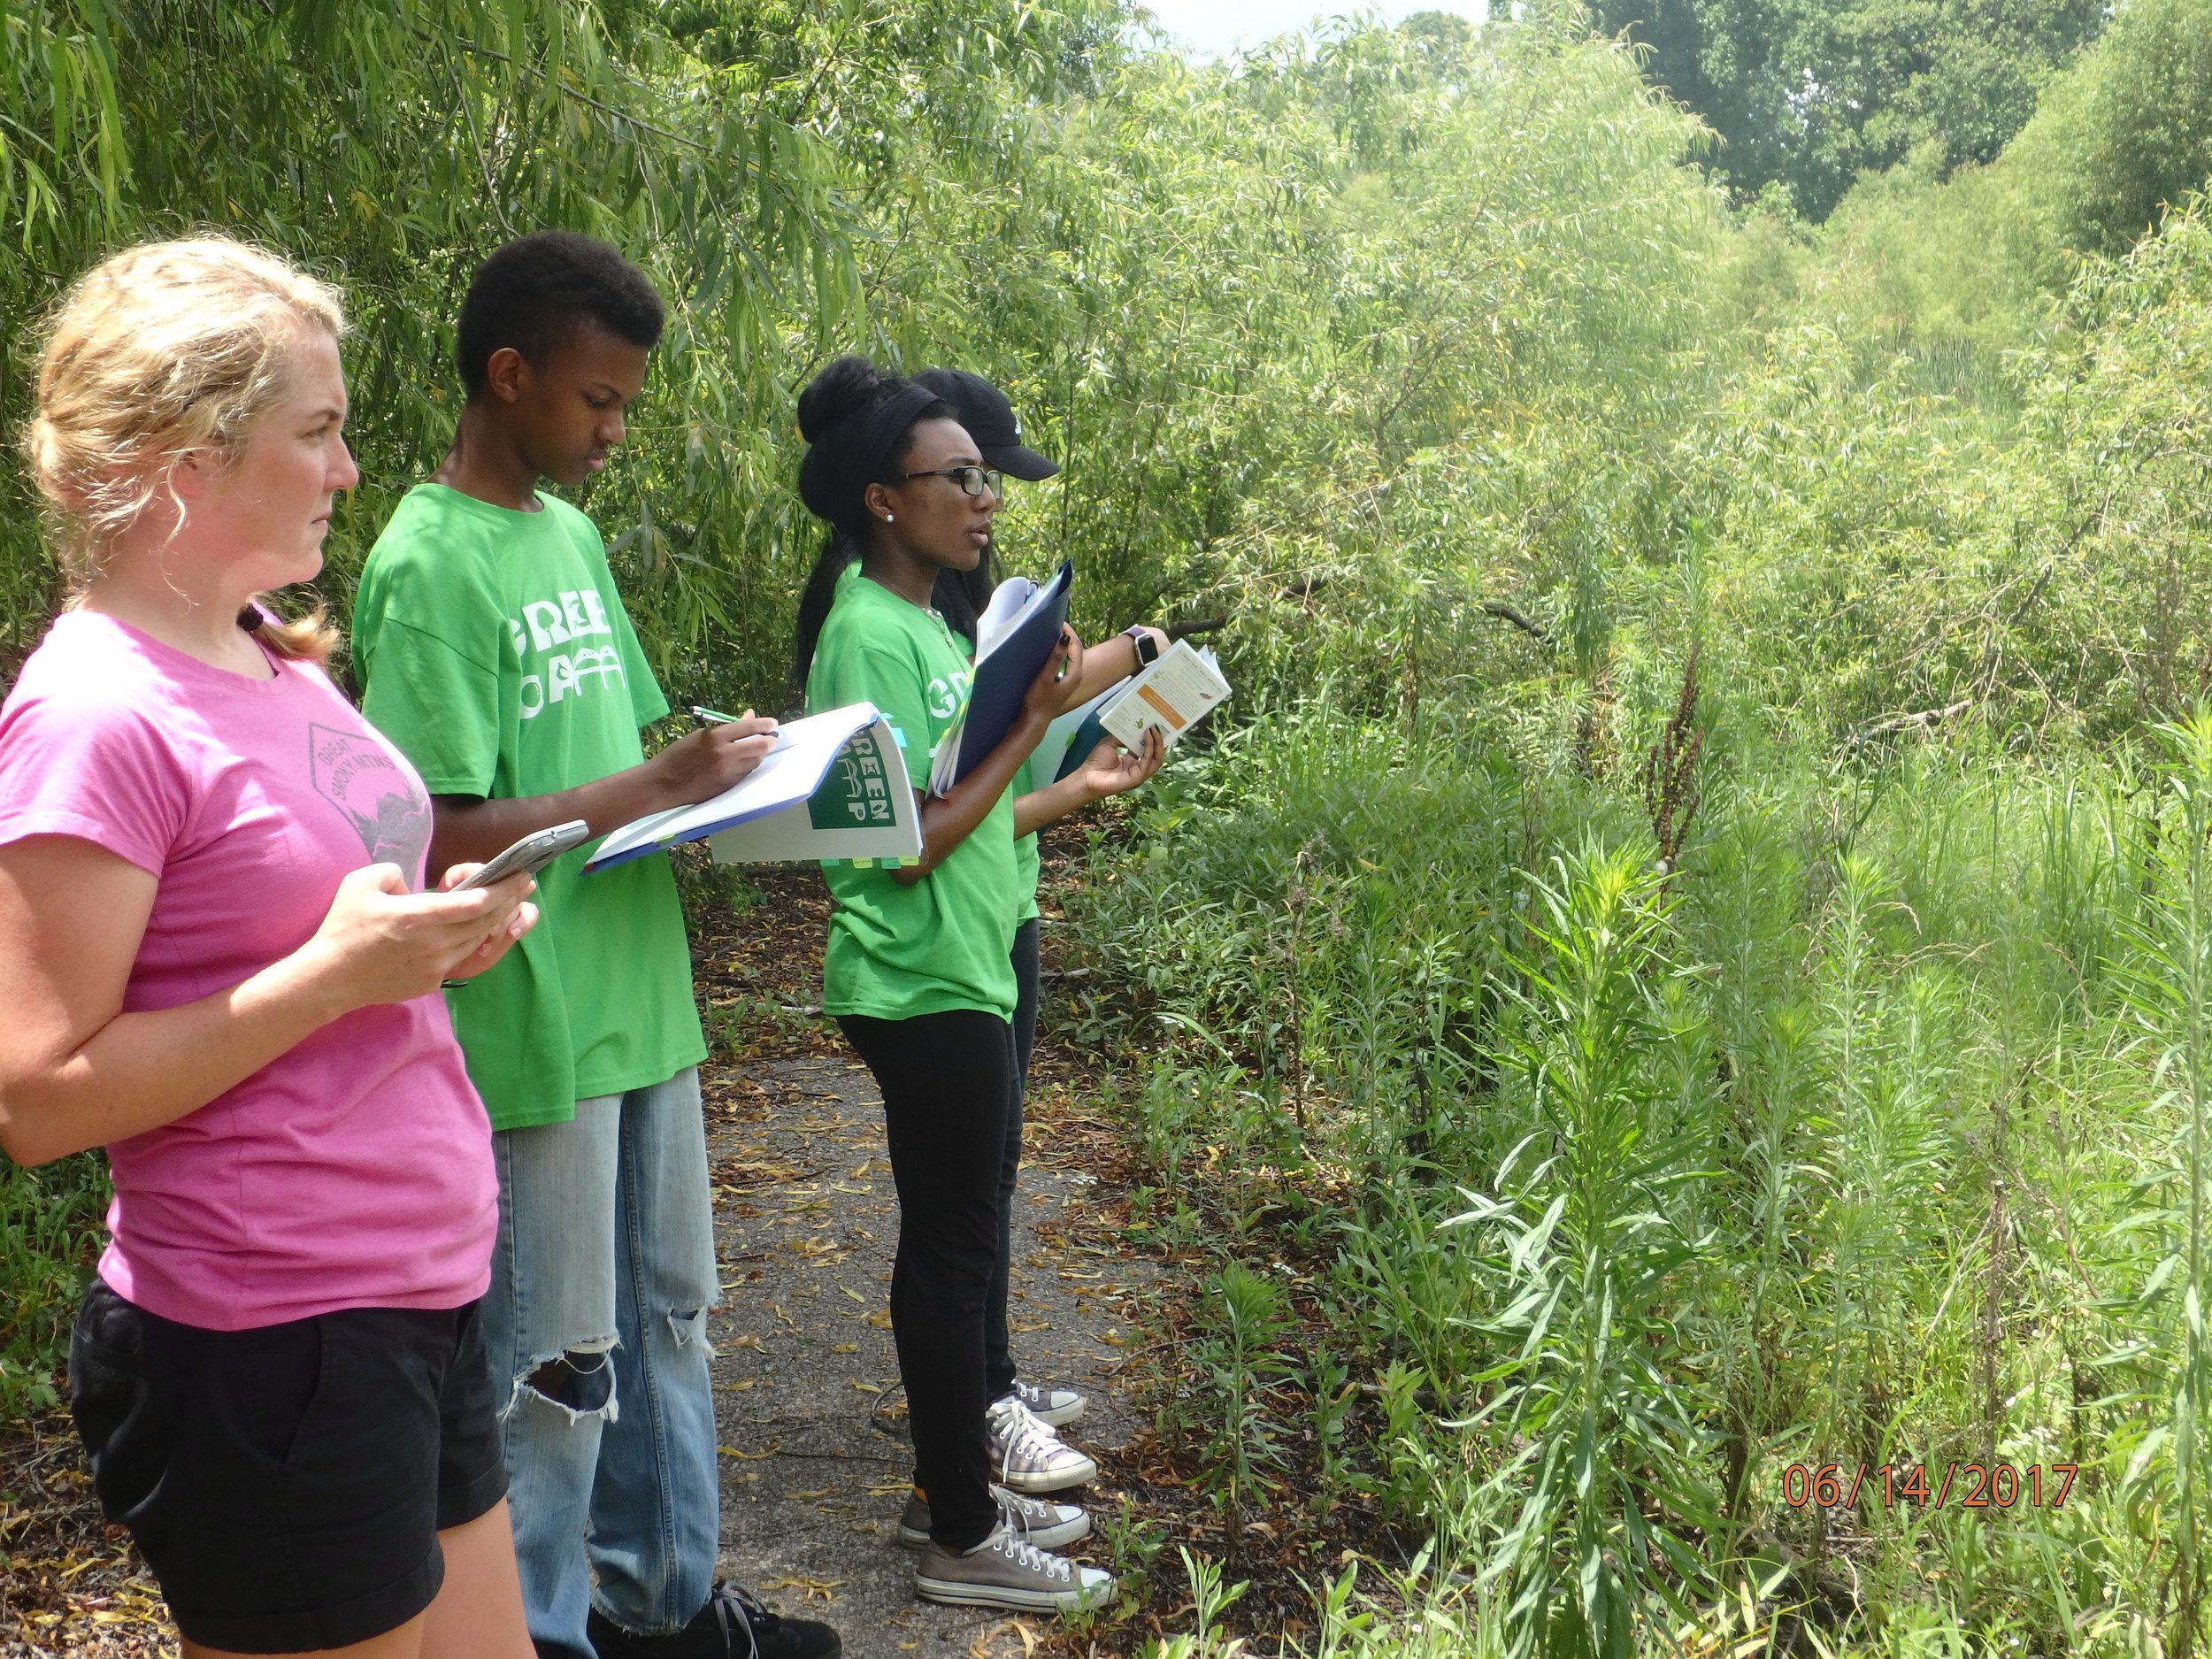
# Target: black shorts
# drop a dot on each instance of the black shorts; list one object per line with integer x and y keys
{"x": 288, "y": 1485}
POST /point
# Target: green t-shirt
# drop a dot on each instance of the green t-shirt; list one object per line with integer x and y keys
{"x": 1027, "y": 866}
{"x": 943, "y": 943}
{"x": 493, "y": 648}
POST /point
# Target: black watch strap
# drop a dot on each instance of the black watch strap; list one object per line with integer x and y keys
{"x": 1148, "y": 648}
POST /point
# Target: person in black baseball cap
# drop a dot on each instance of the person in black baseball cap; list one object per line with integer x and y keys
{"x": 960, "y": 597}
{"x": 989, "y": 418}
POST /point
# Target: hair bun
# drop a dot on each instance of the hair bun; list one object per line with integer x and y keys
{"x": 842, "y": 389}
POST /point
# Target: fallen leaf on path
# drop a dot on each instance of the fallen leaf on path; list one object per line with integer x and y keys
{"x": 983, "y": 1646}
{"x": 741, "y": 1173}
{"x": 818, "y": 1589}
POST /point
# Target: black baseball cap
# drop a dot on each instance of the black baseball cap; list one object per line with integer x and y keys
{"x": 990, "y": 421}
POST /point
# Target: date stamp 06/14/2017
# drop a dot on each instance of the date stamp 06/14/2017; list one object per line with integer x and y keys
{"x": 1965, "y": 1485}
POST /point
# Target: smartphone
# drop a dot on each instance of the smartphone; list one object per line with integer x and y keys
{"x": 529, "y": 854}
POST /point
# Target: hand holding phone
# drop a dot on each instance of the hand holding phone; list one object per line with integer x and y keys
{"x": 528, "y": 855}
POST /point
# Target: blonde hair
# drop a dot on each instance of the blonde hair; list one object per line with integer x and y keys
{"x": 164, "y": 349}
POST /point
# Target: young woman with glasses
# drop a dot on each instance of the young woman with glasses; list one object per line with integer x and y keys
{"x": 918, "y": 969}
{"x": 1030, "y": 1454}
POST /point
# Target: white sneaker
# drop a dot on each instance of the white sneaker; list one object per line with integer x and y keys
{"x": 1003, "y": 1571}
{"x": 1029, "y": 1455}
{"x": 1055, "y": 1407}
{"x": 1047, "y": 1526}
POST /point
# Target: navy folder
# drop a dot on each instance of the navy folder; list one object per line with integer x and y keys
{"x": 1002, "y": 677}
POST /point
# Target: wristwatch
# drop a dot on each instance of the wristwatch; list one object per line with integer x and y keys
{"x": 1148, "y": 648}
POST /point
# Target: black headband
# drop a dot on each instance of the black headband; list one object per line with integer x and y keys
{"x": 881, "y": 435}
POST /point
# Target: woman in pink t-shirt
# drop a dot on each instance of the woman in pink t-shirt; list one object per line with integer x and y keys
{"x": 219, "y": 963}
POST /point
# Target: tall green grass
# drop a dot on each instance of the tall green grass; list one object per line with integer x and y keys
{"x": 1874, "y": 1132}
{"x": 52, "y": 1234}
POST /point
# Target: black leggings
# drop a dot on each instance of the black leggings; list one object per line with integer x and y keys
{"x": 997, "y": 1353}
{"x": 949, "y": 1085}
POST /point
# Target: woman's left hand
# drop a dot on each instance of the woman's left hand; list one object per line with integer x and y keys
{"x": 1071, "y": 681}
{"x": 1058, "y": 683}
{"x": 487, "y": 954}
{"x": 1113, "y": 770}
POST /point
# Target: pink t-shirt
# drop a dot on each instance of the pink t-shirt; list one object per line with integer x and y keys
{"x": 354, "y": 1170}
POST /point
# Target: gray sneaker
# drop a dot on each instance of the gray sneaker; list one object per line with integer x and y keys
{"x": 1047, "y": 1526}
{"x": 1056, "y": 1408}
{"x": 1029, "y": 1456}
{"x": 1005, "y": 1571}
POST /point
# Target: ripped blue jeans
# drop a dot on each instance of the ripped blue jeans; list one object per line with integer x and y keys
{"x": 596, "y": 1323}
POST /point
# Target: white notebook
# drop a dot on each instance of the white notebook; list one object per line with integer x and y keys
{"x": 835, "y": 787}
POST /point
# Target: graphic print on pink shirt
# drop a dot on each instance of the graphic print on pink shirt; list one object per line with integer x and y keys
{"x": 353, "y": 1170}
{"x": 362, "y": 778}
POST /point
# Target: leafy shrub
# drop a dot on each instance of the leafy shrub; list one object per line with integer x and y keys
{"x": 55, "y": 1225}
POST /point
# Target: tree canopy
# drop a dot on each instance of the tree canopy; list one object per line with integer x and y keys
{"x": 1803, "y": 95}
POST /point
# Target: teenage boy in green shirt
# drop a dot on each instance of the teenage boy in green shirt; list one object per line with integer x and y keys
{"x": 495, "y": 651}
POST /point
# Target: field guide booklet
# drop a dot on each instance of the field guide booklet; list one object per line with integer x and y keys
{"x": 1014, "y": 636}
{"x": 833, "y": 787}
{"x": 1175, "y": 693}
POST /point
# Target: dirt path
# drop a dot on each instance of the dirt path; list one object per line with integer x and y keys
{"x": 815, "y": 1453}
{"x": 816, "y": 1456}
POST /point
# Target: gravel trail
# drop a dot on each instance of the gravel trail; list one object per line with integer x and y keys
{"x": 816, "y": 1456}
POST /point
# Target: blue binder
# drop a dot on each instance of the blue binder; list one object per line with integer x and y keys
{"x": 1003, "y": 677}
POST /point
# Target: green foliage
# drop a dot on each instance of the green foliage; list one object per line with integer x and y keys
{"x": 2171, "y": 994}
{"x": 1806, "y": 95}
{"x": 1867, "y": 1135}
{"x": 2120, "y": 138}
{"x": 55, "y": 1223}
{"x": 1245, "y": 1317}
{"x": 1248, "y": 299}
{"x": 2127, "y": 133}
{"x": 1585, "y": 1255}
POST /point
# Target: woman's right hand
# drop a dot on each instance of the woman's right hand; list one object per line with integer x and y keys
{"x": 380, "y": 942}
{"x": 1112, "y": 770}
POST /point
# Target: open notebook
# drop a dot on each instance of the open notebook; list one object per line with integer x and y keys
{"x": 835, "y": 787}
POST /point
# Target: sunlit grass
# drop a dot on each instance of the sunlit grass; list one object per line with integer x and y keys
{"x": 1877, "y": 1134}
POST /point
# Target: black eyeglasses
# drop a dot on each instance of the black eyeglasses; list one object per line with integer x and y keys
{"x": 974, "y": 481}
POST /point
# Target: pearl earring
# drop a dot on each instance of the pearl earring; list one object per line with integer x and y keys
{"x": 889, "y": 519}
